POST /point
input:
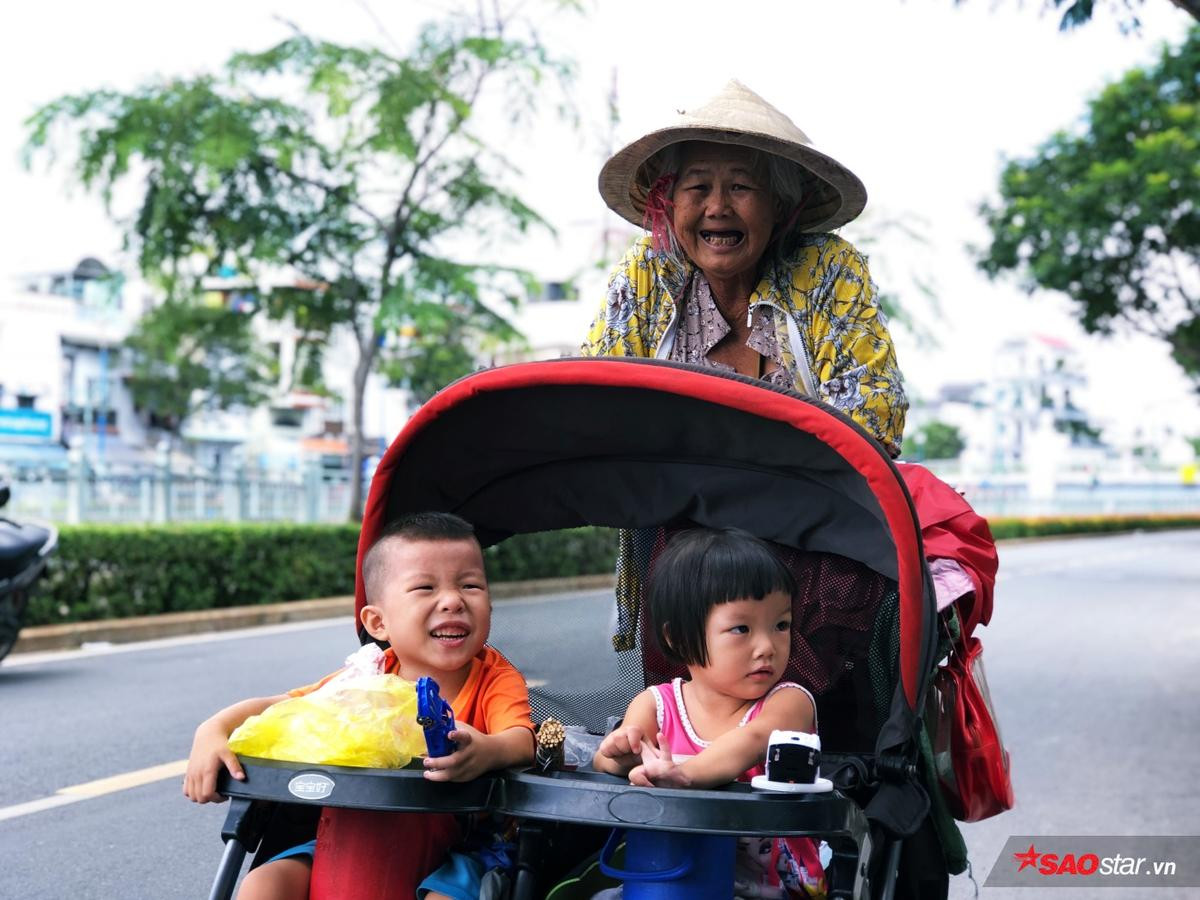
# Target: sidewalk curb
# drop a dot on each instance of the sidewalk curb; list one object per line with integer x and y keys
{"x": 145, "y": 628}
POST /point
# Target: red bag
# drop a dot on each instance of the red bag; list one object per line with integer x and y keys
{"x": 971, "y": 762}
{"x": 968, "y": 752}
{"x": 951, "y": 529}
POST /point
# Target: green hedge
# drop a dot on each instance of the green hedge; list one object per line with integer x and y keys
{"x": 1051, "y": 525}
{"x": 553, "y": 554}
{"x": 108, "y": 572}
{"x": 112, "y": 571}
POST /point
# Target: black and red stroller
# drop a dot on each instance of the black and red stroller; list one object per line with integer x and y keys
{"x": 653, "y": 447}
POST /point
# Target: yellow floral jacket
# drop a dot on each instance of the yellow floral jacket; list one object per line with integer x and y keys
{"x": 831, "y": 331}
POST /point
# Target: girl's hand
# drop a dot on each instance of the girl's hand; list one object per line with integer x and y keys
{"x": 658, "y": 769}
{"x": 470, "y": 760}
{"x": 623, "y": 747}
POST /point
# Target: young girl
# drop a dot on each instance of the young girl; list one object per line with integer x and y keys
{"x": 721, "y": 603}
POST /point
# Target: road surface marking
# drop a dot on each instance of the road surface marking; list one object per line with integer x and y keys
{"x": 127, "y": 780}
{"x": 97, "y": 788}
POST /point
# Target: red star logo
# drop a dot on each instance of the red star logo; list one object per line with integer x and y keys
{"x": 1028, "y": 858}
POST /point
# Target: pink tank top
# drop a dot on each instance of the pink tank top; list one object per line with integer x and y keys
{"x": 676, "y": 727}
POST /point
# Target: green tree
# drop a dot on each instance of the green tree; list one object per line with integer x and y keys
{"x": 440, "y": 345}
{"x": 186, "y": 357}
{"x": 1079, "y": 12}
{"x": 1109, "y": 213}
{"x": 352, "y": 167}
{"x": 935, "y": 440}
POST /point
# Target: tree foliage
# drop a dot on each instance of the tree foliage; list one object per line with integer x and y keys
{"x": 935, "y": 440}
{"x": 442, "y": 344}
{"x": 1079, "y": 12}
{"x": 353, "y": 167}
{"x": 1109, "y": 213}
{"x": 187, "y": 357}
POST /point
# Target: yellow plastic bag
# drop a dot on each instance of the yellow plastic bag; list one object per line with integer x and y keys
{"x": 364, "y": 720}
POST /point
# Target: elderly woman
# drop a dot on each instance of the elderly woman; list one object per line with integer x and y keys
{"x": 738, "y": 271}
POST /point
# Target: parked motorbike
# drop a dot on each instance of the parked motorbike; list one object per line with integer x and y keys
{"x": 24, "y": 552}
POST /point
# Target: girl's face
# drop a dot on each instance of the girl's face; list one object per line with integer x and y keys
{"x": 748, "y": 643}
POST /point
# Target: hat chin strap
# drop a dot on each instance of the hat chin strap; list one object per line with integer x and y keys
{"x": 795, "y": 214}
{"x": 657, "y": 217}
{"x": 791, "y": 220}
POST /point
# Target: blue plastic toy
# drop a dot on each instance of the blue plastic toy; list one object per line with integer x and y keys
{"x": 436, "y": 717}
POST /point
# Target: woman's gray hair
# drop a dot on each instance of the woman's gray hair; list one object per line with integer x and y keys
{"x": 787, "y": 181}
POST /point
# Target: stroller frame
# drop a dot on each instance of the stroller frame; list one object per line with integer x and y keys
{"x": 699, "y": 440}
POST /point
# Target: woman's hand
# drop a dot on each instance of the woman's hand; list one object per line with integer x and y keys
{"x": 658, "y": 769}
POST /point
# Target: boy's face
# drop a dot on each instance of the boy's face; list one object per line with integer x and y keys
{"x": 432, "y": 606}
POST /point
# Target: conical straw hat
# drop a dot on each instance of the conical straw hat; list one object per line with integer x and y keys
{"x": 834, "y": 195}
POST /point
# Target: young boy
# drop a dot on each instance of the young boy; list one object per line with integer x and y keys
{"x": 427, "y": 597}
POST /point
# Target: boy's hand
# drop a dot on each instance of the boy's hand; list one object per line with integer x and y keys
{"x": 658, "y": 769}
{"x": 623, "y": 746}
{"x": 210, "y": 751}
{"x": 470, "y": 760}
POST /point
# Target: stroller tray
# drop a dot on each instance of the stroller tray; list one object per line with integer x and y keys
{"x": 398, "y": 790}
{"x": 594, "y": 799}
{"x": 581, "y": 797}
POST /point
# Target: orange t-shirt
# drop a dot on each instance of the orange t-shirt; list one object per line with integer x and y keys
{"x": 493, "y": 698}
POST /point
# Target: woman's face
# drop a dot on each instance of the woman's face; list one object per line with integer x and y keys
{"x": 724, "y": 211}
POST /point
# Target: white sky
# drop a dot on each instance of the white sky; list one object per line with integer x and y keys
{"x": 921, "y": 98}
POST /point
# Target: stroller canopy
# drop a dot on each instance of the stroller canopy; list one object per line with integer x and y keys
{"x": 642, "y": 443}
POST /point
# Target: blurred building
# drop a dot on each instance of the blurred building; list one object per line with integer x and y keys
{"x": 1027, "y": 418}
{"x": 574, "y": 283}
{"x": 1037, "y": 420}
{"x": 301, "y": 426}
{"x": 63, "y": 383}
{"x": 60, "y": 368}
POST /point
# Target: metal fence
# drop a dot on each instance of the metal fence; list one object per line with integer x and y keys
{"x": 1114, "y": 499}
{"x": 159, "y": 495}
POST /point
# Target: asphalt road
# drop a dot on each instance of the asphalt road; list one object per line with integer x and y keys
{"x": 1093, "y": 666}
{"x": 1091, "y": 660}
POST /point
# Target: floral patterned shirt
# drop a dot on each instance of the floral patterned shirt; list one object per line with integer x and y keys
{"x": 817, "y": 306}
{"x": 703, "y": 327}
{"x": 814, "y": 313}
